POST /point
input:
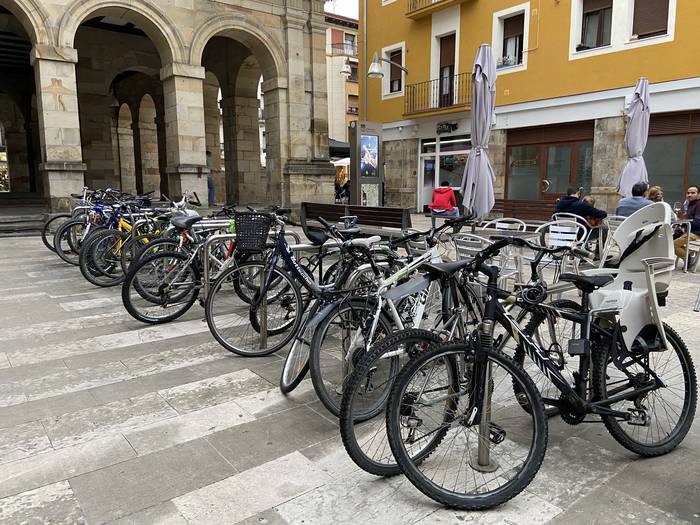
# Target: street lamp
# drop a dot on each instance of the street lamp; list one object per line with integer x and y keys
{"x": 375, "y": 68}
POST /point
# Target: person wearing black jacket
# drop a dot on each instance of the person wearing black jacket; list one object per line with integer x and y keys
{"x": 572, "y": 203}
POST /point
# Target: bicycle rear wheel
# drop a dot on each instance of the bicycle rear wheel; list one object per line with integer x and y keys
{"x": 362, "y": 410}
{"x": 161, "y": 287}
{"x": 670, "y": 409}
{"x": 241, "y": 322}
{"x": 470, "y": 465}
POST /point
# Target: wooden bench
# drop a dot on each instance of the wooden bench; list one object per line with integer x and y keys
{"x": 385, "y": 222}
{"x": 524, "y": 210}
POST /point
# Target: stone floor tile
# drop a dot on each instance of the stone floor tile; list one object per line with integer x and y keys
{"x": 214, "y": 390}
{"x": 42, "y": 408}
{"x": 186, "y": 427}
{"x": 117, "y": 491}
{"x": 22, "y": 441}
{"x": 56, "y": 465}
{"x": 53, "y": 504}
{"x": 101, "y": 421}
{"x": 257, "y": 442}
{"x": 238, "y": 497}
{"x": 162, "y": 514}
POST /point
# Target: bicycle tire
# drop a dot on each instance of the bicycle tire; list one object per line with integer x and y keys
{"x": 217, "y": 311}
{"x": 400, "y": 404}
{"x": 49, "y": 230}
{"x": 93, "y": 259}
{"x": 360, "y": 309}
{"x": 371, "y": 422}
{"x": 185, "y": 299}
{"x": 296, "y": 366}
{"x": 602, "y": 375}
{"x": 133, "y": 246}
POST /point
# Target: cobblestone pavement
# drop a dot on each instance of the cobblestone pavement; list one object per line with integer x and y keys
{"x": 103, "y": 419}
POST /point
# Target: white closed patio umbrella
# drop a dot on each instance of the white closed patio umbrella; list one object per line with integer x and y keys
{"x": 477, "y": 182}
{"x": 636, "y": 136}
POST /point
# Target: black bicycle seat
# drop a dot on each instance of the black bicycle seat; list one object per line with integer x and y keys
{"x": 185, "y": 223}
{"x": 349, "y": 233}
{"x": 448, "y": 268}
{"x": 586, "y": 283}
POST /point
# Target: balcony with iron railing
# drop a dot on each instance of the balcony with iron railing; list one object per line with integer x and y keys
{"x": 441, "y": 93}
{"x": 344, "y": 49}
{"x": 420, "y": 8}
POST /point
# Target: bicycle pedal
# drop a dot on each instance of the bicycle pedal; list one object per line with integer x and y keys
{"x": 638, "y": 417}
{"x": 496, "y": 433}
{"x": 579, "y": 347}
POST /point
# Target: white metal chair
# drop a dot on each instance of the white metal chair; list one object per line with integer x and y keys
{"x": 613, "y": 222}
{"x": 415, "y": 247}
{"x": 506, "y": 223}
{"x": 558, "y": 233}
{"x": 467, "y": 245}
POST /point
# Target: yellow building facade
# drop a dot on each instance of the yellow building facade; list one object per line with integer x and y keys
{"x": 565, "y": 71}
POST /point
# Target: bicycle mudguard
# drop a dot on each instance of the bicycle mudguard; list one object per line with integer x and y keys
{"x": 321, "y": 314}
{"x": 410, "y": 287}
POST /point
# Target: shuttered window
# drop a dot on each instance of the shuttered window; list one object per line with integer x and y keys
{"x": 395, "y": 72}
{"x": 513, "y": 26}
{"x": 650, "y": 18}
{"x": 596, "y": 5}
{"x": 596, "y": 25}
{"x": 513, "y": 35}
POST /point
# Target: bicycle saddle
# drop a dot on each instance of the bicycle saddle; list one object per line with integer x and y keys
{"x": 447, "y": 268}
{"x": 185, "y": 223}
{"x": 586, "y": 283}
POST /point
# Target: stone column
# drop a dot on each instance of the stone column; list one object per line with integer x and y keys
{"x": 276, "y": 115}
{"x": 149, "y": 157}
{"x": 62, "y": 165}
{"x": 401, "y": 173}
{"x": 127, "y": 159}
{"x": 251, "y": 176}
{"x": 138, "y": 157}
{"x": 212, "y": 116}
{"x": 184, "y": 129}
{"x": 497, "y": 156}
{"x": 162, "y": 151}
{"x": 308, "y": 175}
{"x": 609, "y": 158}
{"x": 228, "y": 111}
{"x": 17, "y": 159}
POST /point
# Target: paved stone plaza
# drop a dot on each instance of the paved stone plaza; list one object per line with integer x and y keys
{"x": 103, "y": 419}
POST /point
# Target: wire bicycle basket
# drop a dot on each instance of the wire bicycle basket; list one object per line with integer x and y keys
{"x": 252, "y": 230}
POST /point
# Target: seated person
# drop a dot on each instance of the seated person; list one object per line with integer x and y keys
{"x": 693, "y": 214}
{"x": 628, "y": 205}
{"x": 573, "y": 203}
{"x": 444, "y": 203}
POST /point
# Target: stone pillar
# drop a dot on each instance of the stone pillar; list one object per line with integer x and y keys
{"x": 308, "y": 175}
{"x": 212, "y": 116}
{"x": 127, "y": 162}
{"x": 251, "y": 176}
{"x": 62, "y": 165}
{"x": 497, "y": 156}
{"x": 162, "y": 151}
{"x": 276, "y": 115}
{"x": 184, "y": 129}
{"x": 138, "y": 156}
{"x": 18, "y": 159}
{"x": 609, "y": 158}
{"x": 228, "y": 113}
{"x": 149, "y": 157}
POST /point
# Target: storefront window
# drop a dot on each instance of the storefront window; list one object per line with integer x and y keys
{"x": 452, "y": 169}
{"x": 584, "y": 166}
{"x": 456, "y": 143}
{"x": 558, "y": 168}
{"x": 524, "y": 173}
{"x": 694, "y": 175}
{"x": 428, "y": 180}
{"x": 665, "y": 158}
{"x": 428, "y": 146}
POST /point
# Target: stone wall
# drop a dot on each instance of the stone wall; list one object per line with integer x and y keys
{"x": 497, "y": 155}
{"x": 401, "y": 173}
{"x": 609, "y": 158}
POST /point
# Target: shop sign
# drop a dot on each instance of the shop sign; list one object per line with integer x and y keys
{"x": 446, "y": 127}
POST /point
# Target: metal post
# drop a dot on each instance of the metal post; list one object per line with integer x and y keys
{"x": 263, "y": 311}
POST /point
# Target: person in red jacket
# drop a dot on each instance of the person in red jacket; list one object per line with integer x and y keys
{"x": 444, "y": 203}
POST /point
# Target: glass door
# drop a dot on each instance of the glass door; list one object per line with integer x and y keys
{"x": 429, "y": 184}
{"x": 557, "y": 176}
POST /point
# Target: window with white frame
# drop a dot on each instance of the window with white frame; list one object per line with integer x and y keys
{"x": 596, "y": 24}
{"x": 393, "y": 81}
{"x": 510, "y": 35}
{"x": 650, "y": 18}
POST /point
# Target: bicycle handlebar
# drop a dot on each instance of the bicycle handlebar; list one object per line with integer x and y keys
{"x": 431, "y": 232}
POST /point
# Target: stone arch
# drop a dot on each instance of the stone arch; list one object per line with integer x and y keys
{"x": 259, "y": 41}
{"x": 33, "y": 18}
{"x": 153, "y": 21}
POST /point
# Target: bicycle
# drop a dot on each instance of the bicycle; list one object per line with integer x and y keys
{"x": 473, "y": 397}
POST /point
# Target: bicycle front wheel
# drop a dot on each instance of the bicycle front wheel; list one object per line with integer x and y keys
{"x": 242, "y": 322}
{"x": 51, "y": 227}
{"x": 465, "y": 465}
{"x": 161, "y": 287}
